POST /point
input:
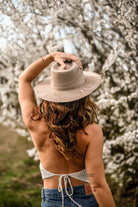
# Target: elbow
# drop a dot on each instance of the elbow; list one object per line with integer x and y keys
{"x": 23, "y": 78}
{"x": 99, "y": 186}
{"x": 96, "y": 187}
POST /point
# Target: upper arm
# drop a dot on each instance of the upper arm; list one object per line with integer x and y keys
{"x": 93, "y": 159}
{"x": 27, "y": 100}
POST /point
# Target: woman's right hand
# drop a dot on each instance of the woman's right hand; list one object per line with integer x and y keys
{"x": 61, "y": 57}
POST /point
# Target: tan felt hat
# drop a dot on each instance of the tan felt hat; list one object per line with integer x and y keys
{"x": 69, "y": 84}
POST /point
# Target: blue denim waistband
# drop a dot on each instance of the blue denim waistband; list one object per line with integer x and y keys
{"x": 70, "y": 196}
{"x": 77, "y": 190}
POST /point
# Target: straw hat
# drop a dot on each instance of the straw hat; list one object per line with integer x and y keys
{"x": 69, "y": 84}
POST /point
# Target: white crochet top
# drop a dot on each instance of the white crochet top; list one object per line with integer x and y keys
{"x": 80, "y": 175}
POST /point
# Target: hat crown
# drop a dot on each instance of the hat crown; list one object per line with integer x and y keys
{"x": 65, "y": 79}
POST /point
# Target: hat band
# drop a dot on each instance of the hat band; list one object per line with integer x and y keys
{"x": 68, "y": 87}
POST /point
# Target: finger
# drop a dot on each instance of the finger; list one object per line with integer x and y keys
{"x": 61, "y": 62}
{"x": 77, "y": 60}
{"x": 79, "y": 64}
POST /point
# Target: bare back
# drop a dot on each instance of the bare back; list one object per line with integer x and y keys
{"x": 54, "y": 161}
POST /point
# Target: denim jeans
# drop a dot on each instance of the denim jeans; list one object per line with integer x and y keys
{"x": 53, "y": 198}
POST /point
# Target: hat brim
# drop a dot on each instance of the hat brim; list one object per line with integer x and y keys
{"x": 44, "y": 91}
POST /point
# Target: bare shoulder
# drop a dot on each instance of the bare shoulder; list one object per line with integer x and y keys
{"x": 95, "y": 132}
{"x": 95, "y": 128}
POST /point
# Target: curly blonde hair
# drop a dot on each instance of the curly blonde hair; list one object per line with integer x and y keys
{"x": 64, "y": 119}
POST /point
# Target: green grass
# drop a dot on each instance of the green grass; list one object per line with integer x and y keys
{"x": 20, "y": 179}
{"x": 20, "y": 186}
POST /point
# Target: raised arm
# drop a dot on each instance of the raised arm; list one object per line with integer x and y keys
{"x": 95, "y": 168}
{"x": 27, "y": 98}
